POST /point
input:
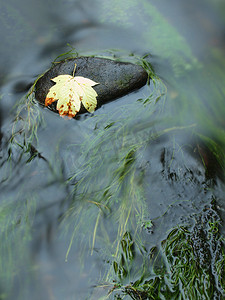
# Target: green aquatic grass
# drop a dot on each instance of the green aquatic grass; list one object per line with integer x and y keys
{"x": 22, "y": 137}
{"x": 16, "y": 221}
{"x": 107, "y": 203}
{"x": 96, "y": 189}
{"x": 189, "y": 265}
{"x": 98, "y": 192}
{"x": 117, "y": 181}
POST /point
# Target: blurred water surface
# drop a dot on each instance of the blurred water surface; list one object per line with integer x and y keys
{"x": 63, "y": 204}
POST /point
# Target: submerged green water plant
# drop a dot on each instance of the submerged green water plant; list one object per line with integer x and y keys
{"x": 189, "y": 265}
{"x": 117, "y": 181}
{"x": 16, "y": 221}
{"x": 22, "y": 136}
{"x": 106, "y": 183}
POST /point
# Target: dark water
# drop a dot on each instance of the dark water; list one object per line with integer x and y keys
{"x": 66, "y": 203}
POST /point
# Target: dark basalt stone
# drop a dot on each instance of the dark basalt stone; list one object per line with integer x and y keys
{"x": 115, "y": 78}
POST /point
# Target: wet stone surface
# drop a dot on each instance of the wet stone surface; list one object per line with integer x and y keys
{"x": 115, "y": 78}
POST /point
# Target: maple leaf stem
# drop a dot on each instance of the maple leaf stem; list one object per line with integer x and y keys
{"x": 74, "y": 69}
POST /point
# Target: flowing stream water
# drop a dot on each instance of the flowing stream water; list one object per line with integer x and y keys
{"x": 77, "y": 197}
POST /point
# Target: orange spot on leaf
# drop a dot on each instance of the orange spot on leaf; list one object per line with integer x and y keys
{"x": 49, "y": 101}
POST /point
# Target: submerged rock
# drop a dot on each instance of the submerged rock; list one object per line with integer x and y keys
{"x": 115, "y": 78}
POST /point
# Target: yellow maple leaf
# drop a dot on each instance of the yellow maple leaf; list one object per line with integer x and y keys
{"x": 70, "y": 91}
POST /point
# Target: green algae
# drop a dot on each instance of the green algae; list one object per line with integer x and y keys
{"x": 189, "y": 265}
